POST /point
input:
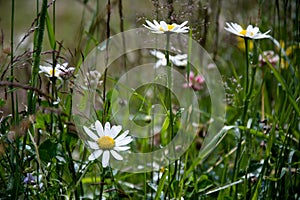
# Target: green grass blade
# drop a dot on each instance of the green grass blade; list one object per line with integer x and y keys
{"x": 210, "y": 146}
{"x": 161, "y": 185}
{"x": 50, "y": 31}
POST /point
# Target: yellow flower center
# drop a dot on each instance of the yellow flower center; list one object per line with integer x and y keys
{"x": 244, "y": 32}
{"x": 106, "y": 142}
{"x": 52, "y": 72}
{"x": 170, "y": 27}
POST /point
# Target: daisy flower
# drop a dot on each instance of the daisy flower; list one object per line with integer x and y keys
{"x": 60, "y": 71}
{"x": 163, "y": 27}
{"x": 251, "y": 32}
{"x": 106, "y": 142}
{"x": 177, "y": 60}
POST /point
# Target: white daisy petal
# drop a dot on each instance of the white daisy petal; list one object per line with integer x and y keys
{"x": 105, "y": 159}
{"x": 156, "y": 23}
{"x": 183, "y": 24}
{"x": 181, "y": 56}
{"x": 115, "y": 130}
{"x": 158, "y": 64}
{"x": 125, "y": 141}
{"x": 267, "y": 33}
{"x": 122, "y": 136}
{"x": 65, "y": 64}
{"x": 158, "y": 54}
{"x": 107, "y": 128}
{"x": 93, "y": 145}
{"x": 99, "y": 128}
{"x": 90, "y": 133}
{"x": 151, "y": 25}
{"x": 96, "y": 154}
{"x": 44, "y": 69}
{"x": 116, "y": 155}
{"x": 122, "y": 148}
{"x": 255, "y": 30}
{"x": 164, "y": 25}
{"x": 236, "y": 27}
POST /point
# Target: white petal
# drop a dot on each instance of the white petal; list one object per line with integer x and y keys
{"x": 164, "y": 25}
{"x": 90, "y": 133}
{"x": 164, "y": 62}
{"x": 158, "y": 54}
{"x": 231, "y": 30}
{"x": 151, "y": 25}
{"x": 229, "y": 27}
{"x": 176, "y": 27}
{"x": 180, "y": 62}
{"x": 96, "y": 154}
{"x": 267, "y": 32}
{"x": 45, "y": 69}
{"x": 261, "y": 36}
{"x": 125, "y": 141}
{"x": 99, "y": 128}
{"x": 183, "y": 24}
{"x": 236, "y": 27}
{"x": 65, "y": 64}
{"x": 122, "y": 136}
{"x": 249, "y": 28}
{"x": 105, "y": 159}
{"x": 157, "y": 64}
{"x": 181, "y": 56}
{"x": 122, "y": 148}
{"x": 156, "y": 23}
{"x": 57, "y": 72}
{"x": 116, "y": 155}
{"x": 107, "y": 129}
{"x": 93, "y": 145}
{"x": 255, "y": 30}
{"x": 115, "y": 130}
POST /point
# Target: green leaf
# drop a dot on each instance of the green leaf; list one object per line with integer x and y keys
{"x": 164, "y": 131}
{"x": 50, "y": 31}
{"x": 281, "y": 80}
{"x": 161, "y": 185}
{"x": 210, "y": 146}
{"x": 2, "y": 102}
{"x": 47, "y": 150}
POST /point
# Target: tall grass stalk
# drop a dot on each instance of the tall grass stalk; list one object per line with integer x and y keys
{"x": 105, "y": 103}
{"x": 38, "y": 43}
{"x": 14, "y": 114}
{"x": 54, "y": 62}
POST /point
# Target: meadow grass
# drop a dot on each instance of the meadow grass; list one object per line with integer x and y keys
{"x": 44, "y": 153}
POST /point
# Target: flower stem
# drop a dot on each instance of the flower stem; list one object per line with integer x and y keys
{"x": 169, "y": 104}
{"x": 236, "y": 167}
{"x": 169, "y": 87}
